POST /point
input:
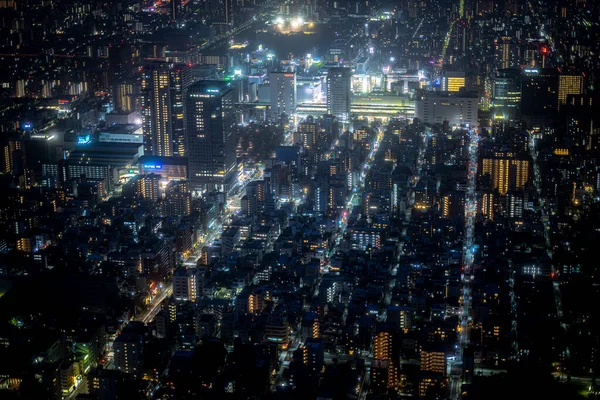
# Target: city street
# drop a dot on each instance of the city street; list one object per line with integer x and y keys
{"x": 465, "y": 315}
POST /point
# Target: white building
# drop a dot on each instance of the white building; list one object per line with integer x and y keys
{"x": 437, "y": 107}
{"x": 186, "y": 285}
{"x": 283, "y": 93}
{"x": 339, "y": 93}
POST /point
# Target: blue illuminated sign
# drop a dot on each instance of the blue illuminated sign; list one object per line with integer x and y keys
{"x": 153, "y": 166}
{"x": 84, "y": 139}
{"x": 212, "y": 90}
{"x": 26, "y": 125}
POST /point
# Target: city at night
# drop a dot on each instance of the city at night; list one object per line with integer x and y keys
{"x": 299, "y": 199}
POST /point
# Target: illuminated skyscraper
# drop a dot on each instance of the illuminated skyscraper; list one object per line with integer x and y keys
{"x": 186, "y": 284}
{"x": 508, "y": 53}
{"x": 147, "y": 187}
{"x": 453, "y": 81}
{"x": 486, "y": 205}
{"x": 338, "y": 93}
{"x": 283, "y": 93}
{"x": 156, "y": 110}
{"x": 507, "y": 95}
{"x": 306, "y": 133}
{"x": 384, "y": 373}
{"x": 382, "y": 346}
{"x": 179, "y": 80}
{"x": 210, "y": 135}
{"x": 507, "y": 171}
{"x": 569, "y": 84}
{"x": 123, "y": 97}
{"x": 433, "y": 360}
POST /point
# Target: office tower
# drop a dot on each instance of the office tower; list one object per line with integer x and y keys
{"x": 210, "y": 135}
{"x": 186, "y": 284}
{"x": 582, "y": 120}
{"x": 283, "y": 93}
{"x": 129, "y": 354}
{"x": 506, "y": 100}
{"x": 456, "y": 109}
{"x": 506, "y": 171}
{"x": 156, "y": 110}
{"x": 569, "y": 84}
{"x": 180, "y": 78}
{"x": 508, "y": 53}
{"x": 539, "y": 97}
{"x": 452, "y": 81}
{"x": 338, "y": 93}
{"x": 123, "y": 97}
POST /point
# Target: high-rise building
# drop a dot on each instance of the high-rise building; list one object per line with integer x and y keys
{"x": 569, "y": 84}
{"x": 180, "y": 77}
{"x": 310, "y": 326}
{"x": 147, "y": 187}
{"x": 313, "y": 353}
{"x": 20, "y": 88}
{"x": 453, "y": 81}
{"x": 455, "y": 108}
{"x": 539, "y": 97}
{"x": 306, "y": 135}
{"x": 506, "y": 101}
{"x": 129, "y": 354}
{"x": 283, "y": 93}
{"x": 175, "y": 9}
{"x": 339, "y": 92}
{"x": 433, "y": 360}
{"x": 163, "y": 91}
{"x": 486, "y": 205}
{"x": 384, "y": 373}
{"x": 210, "y": 135}
{"x": 124, "y": 97}
{"x": 506, "y": 171}
{"x": 508, "y": 53}
{"x": 382, "y": 346}
{"x": 186, "y": 284}
{"x": 178, "y": 199}
{"x": 156, "y": 110}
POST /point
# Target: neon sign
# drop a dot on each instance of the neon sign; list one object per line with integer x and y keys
{"x": 84, "y": 139}
{"x": 153, "y": 166}
{"x": 212, "y": 90}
